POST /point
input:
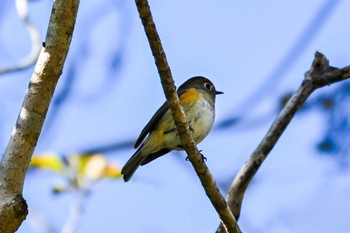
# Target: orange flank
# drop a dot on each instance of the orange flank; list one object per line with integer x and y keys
{"x": 189, "y": 96}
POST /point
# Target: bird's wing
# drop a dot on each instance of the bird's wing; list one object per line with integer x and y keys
{"x": 151, "y": 124}
{"x": 156, "y": 117}
{"x": 154, "y": 156}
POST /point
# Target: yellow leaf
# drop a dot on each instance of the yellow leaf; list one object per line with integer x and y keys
{"x": 112, "y": 171}
{"x": 48, "y": 161}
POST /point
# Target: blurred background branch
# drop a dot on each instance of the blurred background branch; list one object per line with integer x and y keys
{"x": 78, "y": 174}
{"x": 272, "y": 82}
{"x": 22, "y": 11}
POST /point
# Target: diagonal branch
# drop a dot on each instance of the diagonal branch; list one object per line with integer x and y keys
{"x": 319, "y": 75}
{"x": 15, "y": 161}
{"x": 187, "y": 142}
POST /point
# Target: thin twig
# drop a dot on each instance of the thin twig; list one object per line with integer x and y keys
{"x": 31, "y": 58}
{"x": 319, "y": 75}
{"x": 179, "y": 117}
{"x": 76, "y": 211}
{"x": 15, "y": 161}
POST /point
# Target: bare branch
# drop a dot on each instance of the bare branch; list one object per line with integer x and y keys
{"x": 319, "y": 75}
{"x": 187, "y": 142}
{"x": 15, "y": 161}
{"x": 22, "y": 10}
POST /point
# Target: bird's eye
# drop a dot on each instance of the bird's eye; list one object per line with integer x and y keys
{"x": 207, "y": 85}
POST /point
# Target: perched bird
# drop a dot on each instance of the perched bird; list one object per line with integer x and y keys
{"x": 197, "y": 98}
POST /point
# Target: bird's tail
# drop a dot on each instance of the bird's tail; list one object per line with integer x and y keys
{"x": 133, "y": 163}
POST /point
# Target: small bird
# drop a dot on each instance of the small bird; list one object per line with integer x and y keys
{"x": 197, "y": 98}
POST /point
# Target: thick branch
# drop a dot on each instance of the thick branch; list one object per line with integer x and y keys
{"x": 320, "y": 75}
{"x": 187, "y": 142}
{"x": 15, "y": 161}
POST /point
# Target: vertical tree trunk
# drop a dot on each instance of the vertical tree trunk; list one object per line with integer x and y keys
{"x": 15, "y": 161}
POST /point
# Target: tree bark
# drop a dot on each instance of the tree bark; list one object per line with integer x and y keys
{"x": 15, "y": 161}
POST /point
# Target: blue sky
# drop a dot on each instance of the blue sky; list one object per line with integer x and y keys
{"x": 254, "y": 51}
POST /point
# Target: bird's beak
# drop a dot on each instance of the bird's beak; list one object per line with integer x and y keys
{"x": 218, "y": 92}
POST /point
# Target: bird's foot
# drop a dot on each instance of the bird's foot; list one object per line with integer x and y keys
{"x": 204, "y": 159}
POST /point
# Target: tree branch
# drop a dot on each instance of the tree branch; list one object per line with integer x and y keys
{"x": 15, "y": 161}
{"x": 319, "y": 75}
{"x": 179, "y": 117}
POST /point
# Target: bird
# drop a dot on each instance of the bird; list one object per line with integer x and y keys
{"x": 160, "y": 136}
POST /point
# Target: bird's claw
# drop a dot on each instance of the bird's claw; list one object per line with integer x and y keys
{"x": 204, "y": 159}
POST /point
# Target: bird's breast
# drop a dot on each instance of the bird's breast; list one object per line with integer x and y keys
{"x": 201, "y": 117}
